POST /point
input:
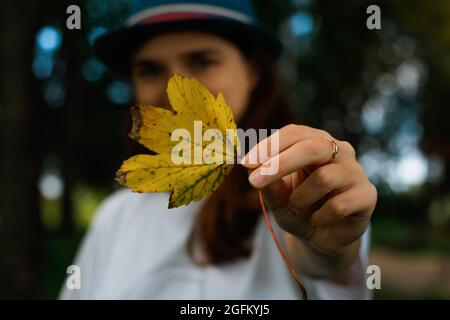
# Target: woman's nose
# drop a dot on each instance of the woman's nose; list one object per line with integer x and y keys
{"x": 180, "y": 69}
{"x": 175, "y": 69}
{"x": 163, "y": 97}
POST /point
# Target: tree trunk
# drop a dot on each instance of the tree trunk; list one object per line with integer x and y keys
{"x": 71, "y": 120}
{"x": 20, "y": 228}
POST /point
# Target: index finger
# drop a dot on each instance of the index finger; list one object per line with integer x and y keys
{"x": 281, "y": 140}
{"x": 305, "y": 153}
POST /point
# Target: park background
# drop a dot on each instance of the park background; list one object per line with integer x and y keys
{"x": 64, "y": 121}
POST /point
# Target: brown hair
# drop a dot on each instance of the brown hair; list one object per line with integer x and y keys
{"x": 225, "y": 225}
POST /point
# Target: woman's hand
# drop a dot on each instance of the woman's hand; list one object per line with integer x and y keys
{"x": 326, "y": 202}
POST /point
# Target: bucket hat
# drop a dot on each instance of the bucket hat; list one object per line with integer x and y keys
{"x": 234, "y": 20}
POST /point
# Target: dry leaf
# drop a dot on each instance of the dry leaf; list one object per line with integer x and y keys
{"x": 155, "y": 128}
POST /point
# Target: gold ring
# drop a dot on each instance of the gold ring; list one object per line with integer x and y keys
{"x": 335, "y": 148}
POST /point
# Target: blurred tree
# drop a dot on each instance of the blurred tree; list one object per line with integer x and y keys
{"x": 384, "y": 91}
{"x": 432, "y": 29}
{"x": 71, "y": 122}
{"x": 20, "y": 228}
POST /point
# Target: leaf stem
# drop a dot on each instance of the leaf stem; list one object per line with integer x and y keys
{"x": 280, "y": 249}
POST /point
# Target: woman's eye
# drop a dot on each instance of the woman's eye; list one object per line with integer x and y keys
{"x": 200, "y": 64}
{"x": 149, "y": 71}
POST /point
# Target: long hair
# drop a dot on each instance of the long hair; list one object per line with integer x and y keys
{"x": 224, "y": 227}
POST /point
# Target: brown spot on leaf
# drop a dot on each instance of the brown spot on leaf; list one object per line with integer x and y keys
{"x": 137, "y": 123}
{"x": 121, "y": 177}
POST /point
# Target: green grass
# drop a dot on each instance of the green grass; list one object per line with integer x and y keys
{"x": 402, "y": 235}
{"x": 392, "y": 294}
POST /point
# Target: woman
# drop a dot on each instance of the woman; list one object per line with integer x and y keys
{"x": 219, "y": 248}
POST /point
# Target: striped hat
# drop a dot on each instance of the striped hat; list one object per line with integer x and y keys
{"x": 234, "y": 20}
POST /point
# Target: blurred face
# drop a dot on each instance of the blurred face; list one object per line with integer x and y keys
{"x": 215, "y": 62}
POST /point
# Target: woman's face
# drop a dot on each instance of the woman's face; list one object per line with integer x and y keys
{"x": 215, "y": 62}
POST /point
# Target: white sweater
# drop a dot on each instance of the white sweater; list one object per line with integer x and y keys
{"x": 135, "y": 249}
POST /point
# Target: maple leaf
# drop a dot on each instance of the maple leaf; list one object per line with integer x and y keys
{"x": 194, "y": 109}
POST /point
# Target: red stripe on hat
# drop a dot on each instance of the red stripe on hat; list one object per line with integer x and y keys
{"x": 173, "y": 17}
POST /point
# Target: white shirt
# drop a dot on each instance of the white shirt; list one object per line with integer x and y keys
{"x": 135, "y": 249}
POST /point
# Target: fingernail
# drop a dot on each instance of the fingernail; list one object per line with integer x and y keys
{"x": 256, "y": 179}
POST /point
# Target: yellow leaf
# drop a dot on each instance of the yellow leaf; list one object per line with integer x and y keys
{"x": 195, "y": 111}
